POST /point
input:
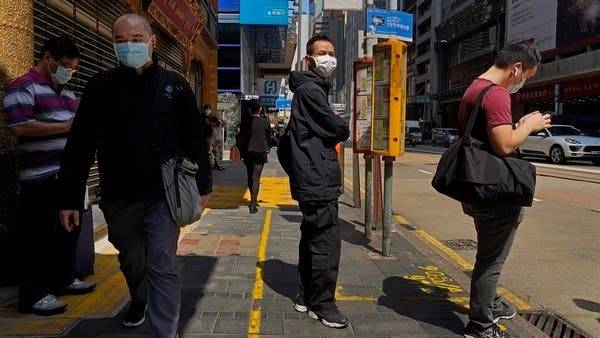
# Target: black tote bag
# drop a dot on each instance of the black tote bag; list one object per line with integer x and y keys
{"x": 471, "y": 173}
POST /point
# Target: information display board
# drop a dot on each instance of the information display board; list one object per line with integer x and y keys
{"x": 389, "y": 98}
{"x": 363, "y": 100}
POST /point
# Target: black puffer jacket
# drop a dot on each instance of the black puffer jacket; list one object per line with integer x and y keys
{"x": 314, "y": 131}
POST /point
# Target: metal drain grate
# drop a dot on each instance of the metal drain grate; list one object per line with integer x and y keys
{"x": 553, "y": 325}
{"x": 461, "y": 244}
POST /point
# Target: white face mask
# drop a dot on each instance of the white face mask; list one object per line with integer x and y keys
{"x": 207, "y": 111}
{"x": 324, "y": 65}
{"x": 513, "y": 88}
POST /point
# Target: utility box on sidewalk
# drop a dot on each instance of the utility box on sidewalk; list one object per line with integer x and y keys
{"x": 389, "y": 98}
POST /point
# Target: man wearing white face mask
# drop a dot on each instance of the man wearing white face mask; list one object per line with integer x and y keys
{"x": 134, "y": 116}
{"x": 39, "y": 111}
{"x": 496, "y": 226}
{"x": 315, "y": 181}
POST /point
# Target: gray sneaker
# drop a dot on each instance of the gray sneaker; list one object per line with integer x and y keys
{"x": 79, "y": 287}
{"x": 47, "y": 306}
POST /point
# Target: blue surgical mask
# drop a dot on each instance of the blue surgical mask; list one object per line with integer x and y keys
{"x": 132, "y": 54}
{"x": 62, "y": 75}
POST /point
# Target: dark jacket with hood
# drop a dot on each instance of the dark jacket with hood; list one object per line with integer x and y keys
{"x": 314, "y": 132}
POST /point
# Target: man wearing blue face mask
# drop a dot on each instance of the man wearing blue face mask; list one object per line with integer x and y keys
{"x": 39, "y": 111}
{"x": 132, "y": 117}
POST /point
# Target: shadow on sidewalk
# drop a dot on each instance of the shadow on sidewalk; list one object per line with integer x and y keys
{"x": 281, "y": 277}
{"x": 194, "y": 274}
{"x": 352, "y": 235}
{"x": 430, "y": 305}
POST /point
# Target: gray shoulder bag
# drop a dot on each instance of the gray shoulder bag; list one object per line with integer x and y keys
{"x": 179, "y": 181}
{"x": 181, "y": 191}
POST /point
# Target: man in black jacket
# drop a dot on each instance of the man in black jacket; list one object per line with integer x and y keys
{"x": 133, "y": 116}
{"x": 315, "y": 181}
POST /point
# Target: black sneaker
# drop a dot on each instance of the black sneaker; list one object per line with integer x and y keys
{"x": 299, "y": 304}
{"x": 504, "y": 311}
{"x": 330, "y": 317}
{"x": 492, "y": 332}
{"x": 136, "y": 314}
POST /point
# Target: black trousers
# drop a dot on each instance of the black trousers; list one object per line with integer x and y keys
{"x": 45, "y": 249}
{"x": 319, "y": 254}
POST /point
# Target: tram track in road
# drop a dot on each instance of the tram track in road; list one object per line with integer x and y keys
{"x": 568, "y": 172}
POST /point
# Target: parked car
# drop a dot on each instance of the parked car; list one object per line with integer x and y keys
{"x": 559, "y": 143}
{"x": 443, "y": 136}
{"x": 414, "y": 129}
{"x": 409, "y": 140}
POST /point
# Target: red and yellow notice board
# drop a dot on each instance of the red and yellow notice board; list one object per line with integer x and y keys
{"x": 388, "y": 116}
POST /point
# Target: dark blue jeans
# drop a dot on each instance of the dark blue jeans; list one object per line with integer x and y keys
{"x": 496, "y": 230}
{"x": 146, "y": 237}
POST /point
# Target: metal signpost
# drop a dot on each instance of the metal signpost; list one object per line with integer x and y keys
{"x": 388, "y": 118}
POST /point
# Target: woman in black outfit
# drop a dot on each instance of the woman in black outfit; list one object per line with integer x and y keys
{"x": 254, "y": 147}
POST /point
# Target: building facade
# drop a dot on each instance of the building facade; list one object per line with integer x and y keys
{"x": 422, "y": 61}
{"x": 567, "y": 33}
{"x": 468, "y": 38}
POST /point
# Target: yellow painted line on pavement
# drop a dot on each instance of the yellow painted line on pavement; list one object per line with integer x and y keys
{"x": 519, "y": 303}
{"x": 341, "y": 297}
{"x": 463, "y": 263}
{"x": 424, "y": 235}
{"x": 257, "y": 291}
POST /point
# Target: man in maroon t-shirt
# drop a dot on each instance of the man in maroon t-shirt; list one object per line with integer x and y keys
{"x": 496, "y": 227}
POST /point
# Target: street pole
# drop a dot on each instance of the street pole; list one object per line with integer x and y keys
{"x": 377, "y": 193}
{"x": 368, "y": 196}
{"x": 387, "y": 204}
{"x": 356, "y": 180}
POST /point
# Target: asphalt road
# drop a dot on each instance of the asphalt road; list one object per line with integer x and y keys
{"x": 555, "y": 260}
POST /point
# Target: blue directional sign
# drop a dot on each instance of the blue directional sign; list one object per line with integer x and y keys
{"x": 264, "y": 12}
{"x": 382, "y": 23}
{"x": 283, "y": 104}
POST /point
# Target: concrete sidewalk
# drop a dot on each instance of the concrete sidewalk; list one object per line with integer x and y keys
{"x": 239, "y": 275}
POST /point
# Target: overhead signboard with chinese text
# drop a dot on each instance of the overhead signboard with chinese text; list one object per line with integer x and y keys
{"x": 264, "y": 12}
{"x": 182, "y": 18}
{"x": 383, "y": 23}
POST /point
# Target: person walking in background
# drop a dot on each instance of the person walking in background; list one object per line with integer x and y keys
{"x": 208, "y": 130}
{"x": 254, "y": 146}
{"x": 496, "y": 227}
{"x": 134, "y": 117}
{"x": 234, "y": 153}
{"x": 218, "y": 126}
{"x": 315, "y": 182}
{"x": 39, "y": 111}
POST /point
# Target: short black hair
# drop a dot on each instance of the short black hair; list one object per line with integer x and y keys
{"x": 317, "y": 37}
{"x": 60, "y": 47}
{"x": 206, "y": 106}
{"x": 524, "y": 52}
{"x": 254, "y": 105}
